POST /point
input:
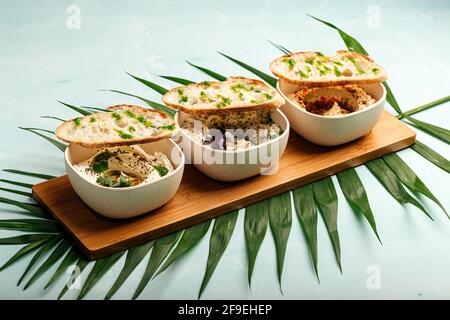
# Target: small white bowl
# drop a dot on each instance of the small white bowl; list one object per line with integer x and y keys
{"x": 122, "y": 203}
{"x": 235, "y": 165}
{"x": 333, "y": 130}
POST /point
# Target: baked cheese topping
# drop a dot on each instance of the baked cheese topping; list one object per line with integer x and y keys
{"x": 232, "y": 93}
{"x": 317, "y": 67}
{"x": 125, "y": 123}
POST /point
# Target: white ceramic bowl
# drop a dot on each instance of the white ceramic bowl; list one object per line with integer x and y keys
{"x": 235, "y": 165}
{"x": 333, "y": 130}
{"x": 121, "y": 203}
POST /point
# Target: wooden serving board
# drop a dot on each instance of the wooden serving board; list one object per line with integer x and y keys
{"x": 200, "y": 198}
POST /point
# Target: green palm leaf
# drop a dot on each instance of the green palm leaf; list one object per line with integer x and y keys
{"x": 354, "y": 45}
{"x": 17, "y": 183}
{"x": 409, "y": 178}
{"x": 157, "y": 106}
{"x": 150, "y": 84}
{"x": 279, "y": 47}
{"x": 306, "y": 210}
{"x": 71, "y": 257}
{"x": 431, "y": 155}
{"x": 220, "y": 237}
{"x": 210, "y": 73}
{"x": 134, "y": 257}
{"x": 30, "y": 174}
{"x": 52, "y": 259}
{"x": 392, "y": 184}
{"x": 24, "y": 251}
{"x": 327, "y": 201}
{"x": 61, "y": 146}
{"x": 437, "y": 132}
{"x": 53, "y": 117}
{"x": 30, "y": 225}
{"x": 424, "y": 107}
{"x": 93, "y": 109}
{"x": 39, "y": 254}
{"x": 80, "y": 266}
{"x": 356, "y": 195}
{"x": 280, "y": 221}
{"x": 31, "y": 208}
{"x": 100, "y": 268}
{"x": 22, "y": 193}
{"x": 269, "y": 79}
{"x": 160, "y": 251}
{"x": 75, "y": 108}
{"x": 182, "y": 81}
{"x": 24, "y": 239}
{"x": 190, "y": 238}
{"x": 255, "y": 228}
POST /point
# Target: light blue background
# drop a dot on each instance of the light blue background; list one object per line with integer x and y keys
{"x": 41, "y": 60}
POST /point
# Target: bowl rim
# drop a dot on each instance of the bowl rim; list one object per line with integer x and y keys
{"x": 353, "y": 114}
{"x": 132, "y": 188}
{"x": 285, "y": 132}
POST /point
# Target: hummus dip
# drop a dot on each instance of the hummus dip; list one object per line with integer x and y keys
{"x": 332, "y": 101}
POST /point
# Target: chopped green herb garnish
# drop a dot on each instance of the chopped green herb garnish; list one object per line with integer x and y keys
{"x": 310, "y": 60}
{"x": 338, "y": 63}
{"x": 290, "y": 62}
{"x": 144, "y": 121}
{"x": 161, "y": 170}
{"x": 351, "y": 59}
{"x": 131, "y": 129}
{"x": 124, "y": 135}
{"x": 360, "y": 70}
{"x": 77, "y": 122}
{"x": 168, "y": 127}
{"x": 337, "y": 72}
{"x": 255, "y": 101}
{"x": 183, "y": 99}
{"x": 180, "y": 92}
{"x": 375, "y": 71}
{"x": 226, "y": 100}
{"x": 105, "y": 180}
{"x": 100, "y": 162}
{"x": 130, "y": 114}
{"x": 116, "y": 116}
{"x": 123, "y": 182}
{"x": 92, "y": 120}
{"x": 206, "y": 83}
{"x": 320, "y": 54}
{"x": 308, "y": 68}
{"x": 238, "y": 87}
{"x": 268, "y": 96}
{"x": 302, "y": 74}
{"x": 241, "y": 96}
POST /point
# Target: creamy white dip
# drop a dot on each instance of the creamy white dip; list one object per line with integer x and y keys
{"x": 125, "y": 166}
{"x": 233, "y": 131}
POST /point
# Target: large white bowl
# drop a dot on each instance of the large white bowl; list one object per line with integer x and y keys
{"x": 235, "y": 165}
{"x": 121, "y": 203}
{"x": 333, "y": 130}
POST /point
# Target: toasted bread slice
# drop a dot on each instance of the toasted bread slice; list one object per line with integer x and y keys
{"x": 234, "y": 94}
{"x": 124, "y": 125}
{"x": 312, "y": 69}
